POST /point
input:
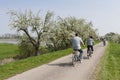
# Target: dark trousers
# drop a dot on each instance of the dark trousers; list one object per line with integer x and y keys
{"x": 89, "y": 47}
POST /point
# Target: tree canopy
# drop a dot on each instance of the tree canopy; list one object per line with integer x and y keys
{"x": 56, "y": 33}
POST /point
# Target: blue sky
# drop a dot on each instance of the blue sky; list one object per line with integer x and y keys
{"x": 104, "y": 14}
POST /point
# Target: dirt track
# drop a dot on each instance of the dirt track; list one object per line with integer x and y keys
{"x": 61, "y": 69}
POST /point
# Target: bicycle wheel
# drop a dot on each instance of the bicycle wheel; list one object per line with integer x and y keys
{"x": 90, "y": 52}
{"x": 74, "y": 59}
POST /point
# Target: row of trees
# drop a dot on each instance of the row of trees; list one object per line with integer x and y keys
{"x": 113, "y": 37}
{"x": 53, "y": 33}
{"x": 9, "y": 36}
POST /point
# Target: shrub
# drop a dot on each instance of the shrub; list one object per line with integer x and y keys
{"x": 25, "y": 49}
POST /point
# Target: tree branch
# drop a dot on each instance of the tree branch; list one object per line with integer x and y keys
{"x": 31, "y": 39}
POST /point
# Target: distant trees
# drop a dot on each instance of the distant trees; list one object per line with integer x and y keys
{"x": 10, "y": 36}
{"x": 54, "y": 34}
{"x": 114, "y": 37}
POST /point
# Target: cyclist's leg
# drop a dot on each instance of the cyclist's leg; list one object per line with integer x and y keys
{"x": 92, "y": 48}
{"x": 88, "y": 48}
{"x": 81, "y": 53}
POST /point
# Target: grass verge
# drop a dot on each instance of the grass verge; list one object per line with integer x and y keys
{"x": 109, "y": 67}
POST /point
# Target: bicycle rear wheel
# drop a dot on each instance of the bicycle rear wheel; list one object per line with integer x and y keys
{"x": 89, "y": 54}
{"x": 74, "y": 59}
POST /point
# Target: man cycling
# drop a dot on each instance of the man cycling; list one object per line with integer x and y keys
{"x": 76, "y": 44}
{"x": 90, "y": 43}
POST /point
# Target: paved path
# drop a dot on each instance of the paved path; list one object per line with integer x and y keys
{"x": 61, "y": 69}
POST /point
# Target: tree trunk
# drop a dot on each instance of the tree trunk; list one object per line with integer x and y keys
{"x": 36, "y": 51}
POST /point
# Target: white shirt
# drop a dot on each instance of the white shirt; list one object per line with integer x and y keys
{"x": 90, "y": 41}
{"x": 76, "y": 42}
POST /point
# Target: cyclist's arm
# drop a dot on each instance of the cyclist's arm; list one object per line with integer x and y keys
{"x": 82, "y": 42}
{"x": 93, "y": 42}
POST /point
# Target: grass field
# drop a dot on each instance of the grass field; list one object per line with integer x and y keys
{"x": 7, "y": 50}
{"x": 110, "y": 63}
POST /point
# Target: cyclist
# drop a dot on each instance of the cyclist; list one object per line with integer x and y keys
{"x": 90, "y": 43}
{"x": 76, "y": 44}
{"x": 104, "y": 41}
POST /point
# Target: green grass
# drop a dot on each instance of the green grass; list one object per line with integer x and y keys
{"x": 7, "y": 50}
{"x": 110, "y": 63}
{"x": 20, "y": 66}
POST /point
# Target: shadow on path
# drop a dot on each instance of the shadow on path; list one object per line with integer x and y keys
{"x": 85, "y": 57}
{"x": 69, "y": 64}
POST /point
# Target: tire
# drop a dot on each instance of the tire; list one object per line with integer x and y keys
{"x": 73, "y": 60}
{"x": 89, "y": 54}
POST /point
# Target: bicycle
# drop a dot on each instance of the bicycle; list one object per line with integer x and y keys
{"x": 104, "y": 43}
{"x": 89, "y": 53}
{"x": 75, "y": 58}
